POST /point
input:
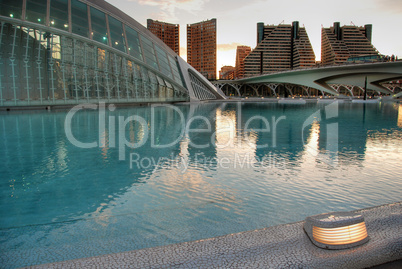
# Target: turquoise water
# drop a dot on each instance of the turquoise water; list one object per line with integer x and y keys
{"x": 229, "y": 173}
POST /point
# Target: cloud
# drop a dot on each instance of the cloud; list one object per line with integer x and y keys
{"x": 228, "y": 47}
{"x": 393, "y": 6}
{"x": 170, "y": 7}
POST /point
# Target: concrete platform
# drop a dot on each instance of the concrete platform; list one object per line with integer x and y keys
{"x": 389, "y": 265}
{"x": 282, "y": 246}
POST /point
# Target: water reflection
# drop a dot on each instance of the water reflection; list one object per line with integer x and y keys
{"x": 225, "y": 126}
{"x": 104, "y": 144}
{"x": 312, "y": 144}
{"x": 239, "y": 178}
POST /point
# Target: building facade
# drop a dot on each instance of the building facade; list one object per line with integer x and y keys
{"x": 241, "y": 53}
{"x": 279, "y": 48}
{"x": 338, "y": 44}
{"x": 66, "y": 52}
{"x": 227, "y": 72}
{"x": 167, "y": 32}
{"x": 201, "y": 47}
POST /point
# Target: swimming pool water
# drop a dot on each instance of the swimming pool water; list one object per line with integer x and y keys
{"x": 230, "y": 173}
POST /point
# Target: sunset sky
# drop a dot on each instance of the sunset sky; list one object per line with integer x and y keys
{"x": 237, "y": 19}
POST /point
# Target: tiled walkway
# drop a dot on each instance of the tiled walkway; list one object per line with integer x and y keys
{"x": 283, "y": 246}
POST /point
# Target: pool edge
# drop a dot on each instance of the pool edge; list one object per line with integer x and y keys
{"x": 280, "y": 246}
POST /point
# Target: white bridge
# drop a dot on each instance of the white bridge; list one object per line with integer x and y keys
{"x": 382, "y": 78}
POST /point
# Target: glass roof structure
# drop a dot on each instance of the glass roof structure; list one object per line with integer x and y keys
{"x": 64, "y": 52}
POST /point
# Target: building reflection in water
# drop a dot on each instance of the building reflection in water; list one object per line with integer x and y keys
{"x": 54, "y": 194}
{"x": 39, "y": 161}
{"x": 225, "y": 128}
{"x": 312, "y": 144}
{"x": 104, "y": 144}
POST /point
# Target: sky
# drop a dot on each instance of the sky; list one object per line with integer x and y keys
{"x": 237, "y": 19}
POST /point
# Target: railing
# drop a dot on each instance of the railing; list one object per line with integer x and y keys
{"x": 315, "y": 67}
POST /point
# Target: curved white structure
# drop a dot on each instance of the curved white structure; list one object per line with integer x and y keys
{"x": 64, "y": 52}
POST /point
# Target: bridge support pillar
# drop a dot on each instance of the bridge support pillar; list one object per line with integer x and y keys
{"x": 255, "y": 88}
{"x": 237, "y": 88}
{"x": 289, "y": 88}
{"x": 306, "y": 89}
{"x": 272, "y": 87}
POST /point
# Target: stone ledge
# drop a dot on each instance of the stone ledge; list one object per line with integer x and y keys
{"x": 282, "y": 246}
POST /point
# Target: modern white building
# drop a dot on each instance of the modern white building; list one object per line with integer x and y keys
{"x": 65, "y": 52}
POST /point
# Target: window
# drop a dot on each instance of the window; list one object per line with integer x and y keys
{"x": 163, "y": 62}
{"x": 11, "y": 8}
{"x": 149, "y": 52}
{"x": 99, "y": 30}
{"x": 117, "y": 35}
{"x": 134, "y": 48}
{"x": 36, "y": 11}
{"x": 175, "y": 69}
{"x": 59, "y": 14}
{"x": 79, "y": 17}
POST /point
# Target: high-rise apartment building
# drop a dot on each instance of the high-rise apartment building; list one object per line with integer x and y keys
{"x": 279, "y": 48}
{"x": 227, "y": 72}
{"x": 201, "y": 47}
{"x": 340, "y": 43}
{"x": 167, "y": 32}
{"x": 241, "y": 54}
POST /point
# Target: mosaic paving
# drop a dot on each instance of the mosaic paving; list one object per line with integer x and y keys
{"x": 282, "y": 246}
